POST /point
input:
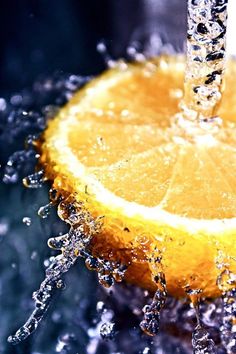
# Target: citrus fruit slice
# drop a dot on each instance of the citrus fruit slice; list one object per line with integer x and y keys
{"x": 164, "y": 185}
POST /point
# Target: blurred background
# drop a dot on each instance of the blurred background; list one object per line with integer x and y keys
{"x": 41, "y": 37}
{"x": 46, "y": 49}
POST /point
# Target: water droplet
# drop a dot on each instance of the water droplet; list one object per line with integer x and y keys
{"x": 36, "y": 180}
{"x": 44, "y": 210}
{"x": 60, "y": 284}
{"x": 4, "y": 227}
{"x": 26, "y": 220}
{"x": 58, "y": 242}
{"x": 16, "y": 163}
{"x": 100, "y": 307}
{"x": 107, "y": 330}
{"x": 34, "y": 255}
{"x": 146, "y": 350}
{"x": 105, "y": 280}
{"x": 102, "y": 48}
{"x": 92, "y": 263}
{"x": 30, "y": 141}
{"x": 151, "y": 321}
{"x": 3, "y": 104}
{"x": 201, "y": 342}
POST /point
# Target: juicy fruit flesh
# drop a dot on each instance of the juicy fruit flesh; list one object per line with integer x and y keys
{"x": 130, "y": 137}
{"x": 122, "y": 132}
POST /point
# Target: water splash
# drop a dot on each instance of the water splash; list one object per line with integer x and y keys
{"x": 24, "y": 116}
{"x": 16, "y": 163}
{"x": 77, "y": 241}
{"x": 72, "y": 245}
{"x": 107, "y": 269}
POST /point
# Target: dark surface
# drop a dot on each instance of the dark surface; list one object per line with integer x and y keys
{"x": 40, "y": 38}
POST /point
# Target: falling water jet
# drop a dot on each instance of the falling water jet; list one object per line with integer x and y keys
{"x": 206, "y": 57}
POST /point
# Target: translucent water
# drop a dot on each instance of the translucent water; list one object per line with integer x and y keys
{"x": 72, "y": 245}
{"x": 206, "y": 51}
{"x": 151, "y": 321}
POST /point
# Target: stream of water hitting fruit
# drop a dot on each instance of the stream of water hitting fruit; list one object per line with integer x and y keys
{"x": 206, "y": 52}
{"x": 206, "y": 43}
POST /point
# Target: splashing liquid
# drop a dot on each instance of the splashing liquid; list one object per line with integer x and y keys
{"x": 203, "y": 90}
{"x": 72, "y": 245}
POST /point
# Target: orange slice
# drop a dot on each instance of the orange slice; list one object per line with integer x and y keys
{"x": 164, "y": 185}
